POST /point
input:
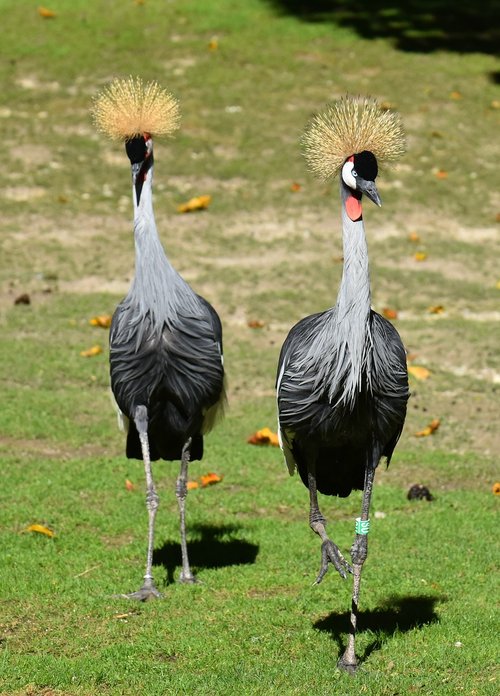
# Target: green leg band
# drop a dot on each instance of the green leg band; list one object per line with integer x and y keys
{"x": 362, "y": 526}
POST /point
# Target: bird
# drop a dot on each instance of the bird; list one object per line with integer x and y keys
{"x": 342, "y": 380}
{"x": 165, "y": 345}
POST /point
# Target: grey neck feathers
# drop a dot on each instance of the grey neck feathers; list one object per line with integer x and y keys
{"x": 157, "y": 289}
{"x": 344, "y": 340}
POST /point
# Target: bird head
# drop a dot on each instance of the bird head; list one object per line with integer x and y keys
{"x": 359, "y": 173}
{"x": 140, "y": 153}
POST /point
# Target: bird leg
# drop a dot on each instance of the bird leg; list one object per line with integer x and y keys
{"x": 329, "y": 551}
{"x": 148, "y": 589}
{"x": 359, "y": 552}
{"x": 186, "y": 575}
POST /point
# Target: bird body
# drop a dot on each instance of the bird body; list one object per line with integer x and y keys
{"x": 166, "y": 363}
{"x": 165, "y": 350}
{"x": 342, "y": 382}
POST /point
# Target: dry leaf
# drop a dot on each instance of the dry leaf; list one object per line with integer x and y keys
{"x": 24, "y": 299}
{"x": 495, "y": 104}
{"x": 264, "y": 437}
{"x": 389, "y": 313}
{"x": 414, "y": 237}
{"x": 213, "y": 44}
{"x": 419, "y": 372}
{"x": 295, "y": 187}
{"x": 90, "y": 352}
{"x": 192, "y": 485}
{"x": 129, "y": 485}
{"x": 256, "y": 323}
{"x": 46, "y": 13}
{"x": 197, "y": 203}
{"x": 455, "y": 95}
{"x": 420, "y": 256}
{"x": 102, "y": 320}
{"x": 210, "y": 479}
{"x": 429, "y": 429}
{"x": 441, "y": 174}
{"x": 496, "y": 488}
{"x": 40, "y": 529}
{"x": 436, "y": 309}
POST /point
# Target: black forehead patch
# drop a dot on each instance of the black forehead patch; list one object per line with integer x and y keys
{"x": 136, "y": 150}
{"x": 365, "y": 164}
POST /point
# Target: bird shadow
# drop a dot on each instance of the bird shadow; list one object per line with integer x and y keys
{"x": 213, "y": 546}
{"x": 395, "y": 614}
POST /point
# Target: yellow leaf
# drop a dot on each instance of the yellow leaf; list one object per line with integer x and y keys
{"x": 102, "y": 320}
{"x": 90, "y": 352}
{"x": 213, "y": 44}
{"x": 40, "y": 529}
{"x": 441, "y": 174}
{"x": 419, "y": 372}
{"x": 46, "y": 13}
{"x": 129, "y": 485}
{"x": 389, "y": 313}
{"x": 265, "y": 436}
{"x": 436, "y": 309}
{"x": 420, "y": 256}
{"x": 256, "y": 324}
{"x": 497, "y": 285}
{"x": 455, "y": 95}
{"x": 414, "y": 237}
{"x": 197, "y": 203}
{"x": 210, "y": 479}
{"x": 429, "y": 429}
{"x": 496, "y": 488}
{"x": 192, "y": 484}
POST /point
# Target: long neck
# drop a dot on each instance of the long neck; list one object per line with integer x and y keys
{"x": 350, "y": 329}
{"x": 353, "y": 300}
{"x": 157, "y": 288}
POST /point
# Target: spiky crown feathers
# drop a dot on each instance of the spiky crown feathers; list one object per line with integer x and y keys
{"x": 347, "y": 127}
{"x": 130, "y": 108}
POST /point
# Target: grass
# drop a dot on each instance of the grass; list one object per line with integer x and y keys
{"x": 255, "y": 624}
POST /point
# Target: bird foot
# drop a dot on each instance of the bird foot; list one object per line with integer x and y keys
{"x": 147, "y": 591}
{"x": 187, "y": 578}
{"x": 331, "y": 554}
{"x": 347, "y": 665}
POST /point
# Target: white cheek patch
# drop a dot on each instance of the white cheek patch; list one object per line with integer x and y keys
{"x": 347, "y": 176}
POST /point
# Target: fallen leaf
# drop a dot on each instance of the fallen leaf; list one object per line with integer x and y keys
{"x": 213, "y": 44}
{"x": 414, "y": 237}
{"x": 40, "y": 529}
{"x": 295, "y": 187}
{"x": 265, "y": 436}
{"x": 46, "y": 13}
{"x": 256, "y": 323}
{"x": 210, "y": 479}
{"x": 436, "y": 134}
{"x": 441, "y": 174}
{"x": 192, "y": 485}
{"x": 90, "y": 352}
{"x": 102, "y": 320}
{"x": 455, "y": 94}
{"x": 129, "y": 485}
{"x": 420, "y": 256}
{"x": 429, "y": 429}
{"x": 197, "y": 203}
{"x": 497, "y": 285}
{"x": 495, "y": 104}
{"x": 436, "y": 309}
{"x": 387, "y": 105}
{"x": 419, "y": 372}
{"x": 389, "y": 313}
{"x": 496, "y": 488}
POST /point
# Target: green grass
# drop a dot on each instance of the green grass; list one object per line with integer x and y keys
{"x": 255, "y": 624}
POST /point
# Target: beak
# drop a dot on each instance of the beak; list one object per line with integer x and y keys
{"x": 369, "y": 189}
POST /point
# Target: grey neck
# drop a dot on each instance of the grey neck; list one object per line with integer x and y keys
{"x": 157, "y": 289}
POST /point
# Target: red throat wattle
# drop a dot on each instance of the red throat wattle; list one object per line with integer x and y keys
{"x": 353, "y": 208}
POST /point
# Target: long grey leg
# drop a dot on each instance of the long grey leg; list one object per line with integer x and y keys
{"x": 359, "y": 552}
{"x": 181, "y": 494}
{"x": 148, "y": 589}
{"x": 330, "y": 553}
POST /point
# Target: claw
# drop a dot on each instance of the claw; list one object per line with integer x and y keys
{"x": 331, "y": 554}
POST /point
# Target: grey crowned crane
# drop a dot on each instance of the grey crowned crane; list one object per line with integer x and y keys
{"x": 166, "y": 363}
{"x": 342, "y": 384}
